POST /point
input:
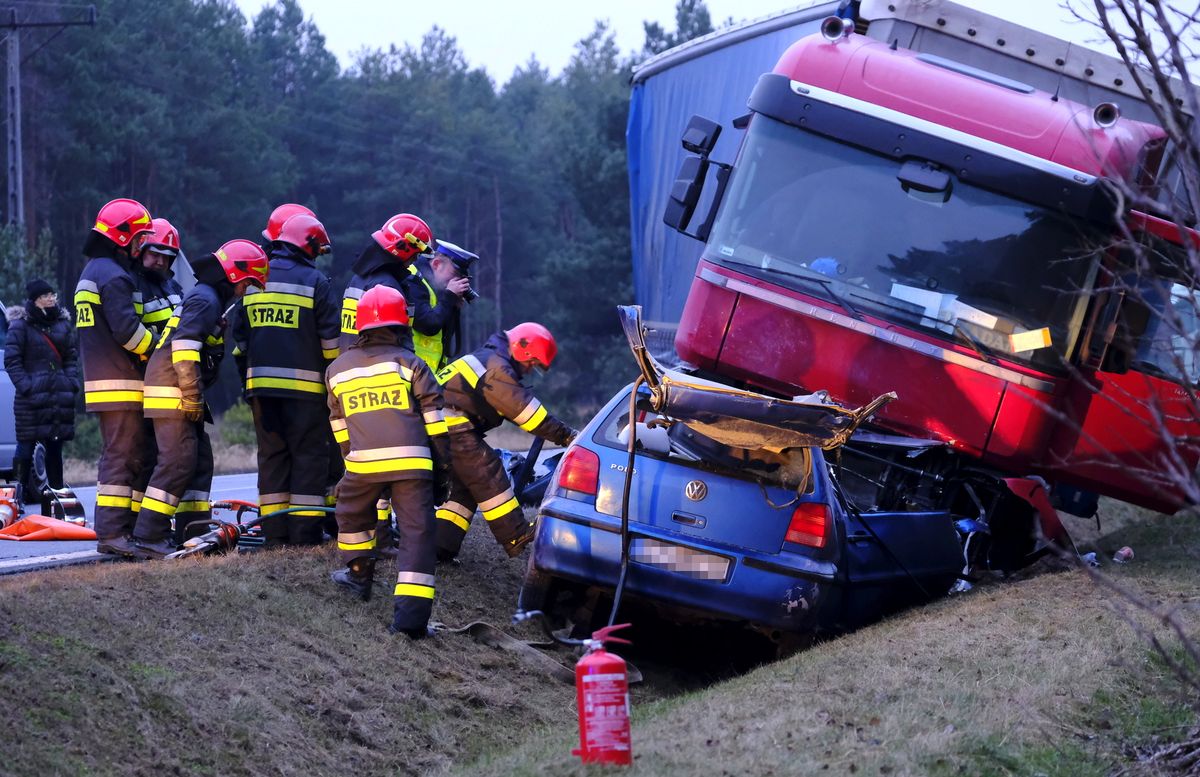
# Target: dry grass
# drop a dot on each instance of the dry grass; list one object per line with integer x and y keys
{"x": 254, "y": 665}
{"x": 1038, "y": 676}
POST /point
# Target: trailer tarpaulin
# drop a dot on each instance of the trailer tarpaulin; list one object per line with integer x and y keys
{"x": 713, "y": 77}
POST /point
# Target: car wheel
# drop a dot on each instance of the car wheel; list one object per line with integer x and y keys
{"x": 537, "y": 591}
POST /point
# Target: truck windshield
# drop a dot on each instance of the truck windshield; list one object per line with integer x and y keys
{"x": 1004, "y": 277}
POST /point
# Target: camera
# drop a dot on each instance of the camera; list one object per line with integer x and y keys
{"x": 470, "y": 295}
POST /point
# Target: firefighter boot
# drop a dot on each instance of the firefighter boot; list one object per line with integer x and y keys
{"x": 152, "y": 549}
{"x": 385, "y": 539}
{"x": 118, "y": 546}
{"x": 421, "y": 633}
{"x": 357, "y": 577}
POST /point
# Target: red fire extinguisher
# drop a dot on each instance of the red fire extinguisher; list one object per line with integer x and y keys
{"x": 602, "y": 693}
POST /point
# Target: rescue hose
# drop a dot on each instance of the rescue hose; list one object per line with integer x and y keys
{"x": 633, "y": 395}
{"x": 635, "y": 674}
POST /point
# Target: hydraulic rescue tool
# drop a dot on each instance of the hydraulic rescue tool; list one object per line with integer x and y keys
{"x": 241, "y": 535}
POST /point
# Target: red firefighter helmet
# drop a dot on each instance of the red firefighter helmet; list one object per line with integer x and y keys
{"x": 404, "y": 236}
{"x": 306, "y": 233}
{"x": 122, "y": 220}
{"x": 244, "y": 260}
{"x": 163, "y": 239}
{"x": 381, "y": 306}
{"x": 279, "y": 217}
{"x": 532, "y": 342}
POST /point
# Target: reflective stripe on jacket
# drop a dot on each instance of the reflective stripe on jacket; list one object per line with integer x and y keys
{"x": 113, "y": 342}
{"x": 289, "y": 330}
{"x": 483, "y": 389}
{"x": 385, "y": 405}
{"x": 155, "y": 299}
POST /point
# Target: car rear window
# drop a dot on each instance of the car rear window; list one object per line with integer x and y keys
{"x": 653, "y": 442}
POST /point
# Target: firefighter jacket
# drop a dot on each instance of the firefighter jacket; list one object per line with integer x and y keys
{"x": 386, "y": 410}
{"x": 373, "y": 267}
{"x": 434, "y": 320}
{"x": 483, "y": 388}
{"x": 187, "y": 356}
{"x": 155, "y": 298}
{"x": 288, "y": 331}
{"x": 113, "y": 342}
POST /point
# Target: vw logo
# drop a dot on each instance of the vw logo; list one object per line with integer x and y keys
{"x": 695, "y": 490}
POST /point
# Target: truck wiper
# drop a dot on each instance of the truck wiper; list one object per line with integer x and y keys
{"x": 982, "y": 350}
{"x": 825, "y": 283}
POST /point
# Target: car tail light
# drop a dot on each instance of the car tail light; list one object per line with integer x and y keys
{"x": 580, "y": 471}
{"x": 809, "y": 524}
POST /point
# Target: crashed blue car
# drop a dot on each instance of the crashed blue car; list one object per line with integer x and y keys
{"x": 734, "y": 512}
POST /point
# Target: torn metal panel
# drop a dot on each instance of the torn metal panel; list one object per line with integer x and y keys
{"x": 742, "y": 419}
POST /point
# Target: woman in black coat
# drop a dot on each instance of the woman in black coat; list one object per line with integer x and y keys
{"x": 41, "y": 356}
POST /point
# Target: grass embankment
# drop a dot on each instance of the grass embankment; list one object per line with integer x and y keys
{"x": 254, "y": 665}
{"x": 1040, "y": 675}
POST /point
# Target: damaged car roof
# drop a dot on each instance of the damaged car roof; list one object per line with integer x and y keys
{"x": 743, "y": 419}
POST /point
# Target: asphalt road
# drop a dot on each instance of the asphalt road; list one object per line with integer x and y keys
{"x": 23, "y": 556}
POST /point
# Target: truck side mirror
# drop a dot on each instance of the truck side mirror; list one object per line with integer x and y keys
{"x": 701, "y": 135}
{"x": 685, "y": 192}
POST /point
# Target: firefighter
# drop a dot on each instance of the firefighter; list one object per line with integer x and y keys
{"x": 274, "y": 226}
{"x": 276, "y": 221}
{"x": 157, "y": 293}
{"x": 394, "y": 247}
{"x": 288, "y": 335}
{"x": 481, "y": 390}
{"x": 155, "y": 297}
{"x": 386, "y": 260}
{"x": 113, "y": 343}
{"x": 386, "y": 413}
{"x": 184, "y": 364}
{"x": 435, "y": 319}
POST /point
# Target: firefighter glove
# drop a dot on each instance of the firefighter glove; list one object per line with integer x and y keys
{"x": 193, "y": 407}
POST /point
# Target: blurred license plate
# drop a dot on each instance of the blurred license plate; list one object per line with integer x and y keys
{"x": 679, "y": 559}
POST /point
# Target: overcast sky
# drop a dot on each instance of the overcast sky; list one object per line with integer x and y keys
{"x": 500, "y": 36}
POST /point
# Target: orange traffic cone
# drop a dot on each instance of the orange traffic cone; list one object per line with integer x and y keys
{"x": 40, "y": 527}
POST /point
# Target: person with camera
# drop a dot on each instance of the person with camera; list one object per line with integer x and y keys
{"x": 42, "y": 358}
{"x": 436, "y": 287}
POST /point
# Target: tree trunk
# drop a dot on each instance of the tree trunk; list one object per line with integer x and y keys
{"x": 499, "y": 251}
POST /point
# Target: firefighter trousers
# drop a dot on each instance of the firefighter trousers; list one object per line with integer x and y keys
{"x": 119, "y": 468}
{"x": 478, "y": 480}
{"x": 416, "y": 555}
{"x": 293, "y": 464}
{"x": 149, "y": 462}
{"x": 180, "y": 484}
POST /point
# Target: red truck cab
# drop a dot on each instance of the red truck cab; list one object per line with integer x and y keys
{"x": 901, "y": 221}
